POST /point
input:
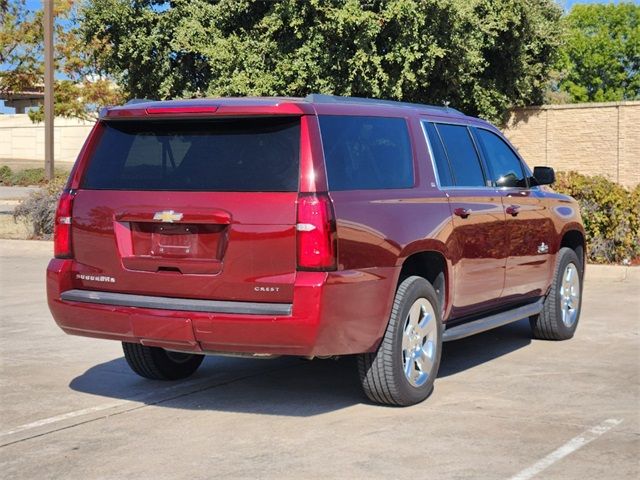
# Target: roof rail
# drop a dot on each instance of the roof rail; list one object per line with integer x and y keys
{"x": 133, "y": 101}
{"x": 322, "y": 98}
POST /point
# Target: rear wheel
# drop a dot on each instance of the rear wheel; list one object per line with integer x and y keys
{"x": 559, "y": 317}
{"x": 403, "y": 369}
{"x": 159, "y": 364}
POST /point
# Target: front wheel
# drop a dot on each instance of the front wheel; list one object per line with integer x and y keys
{"x": 160, "y": 364}
{"x": 560, "y": 313}
{"x": 403, "y": 369}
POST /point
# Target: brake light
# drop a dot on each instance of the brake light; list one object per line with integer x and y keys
{"x": 181, "y": 110}
{"x": 316, "y": 232}
{"x": 62, "y": 226}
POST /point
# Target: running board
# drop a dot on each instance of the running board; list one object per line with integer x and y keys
{"x": 493, "y": 321}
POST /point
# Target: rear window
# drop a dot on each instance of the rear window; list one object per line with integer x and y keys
{"x": 241, "y": 155}
{"x": 366, "y": 153}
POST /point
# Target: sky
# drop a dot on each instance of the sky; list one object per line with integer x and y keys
{"x": 567, "y": 4}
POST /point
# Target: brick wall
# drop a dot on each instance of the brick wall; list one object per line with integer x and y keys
{"x": 593, "y": 138}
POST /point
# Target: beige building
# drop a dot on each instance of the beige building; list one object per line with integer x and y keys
{"x": 591, "y": 138}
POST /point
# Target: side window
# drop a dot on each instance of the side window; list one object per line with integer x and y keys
{"x": 366, "y": 153}
{"x": 465, "y": 164}
{"x": 439, "y": 156}
{"x": 505, "y": 167}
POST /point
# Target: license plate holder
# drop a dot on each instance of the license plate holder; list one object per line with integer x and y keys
{"x": 177, "y": 241}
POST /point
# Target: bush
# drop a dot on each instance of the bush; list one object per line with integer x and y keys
{"x": 611, "y": 216}
{"x": 5, "y": 174}
{"x": 26, "y": 177}
{"x": 39, "y": 209}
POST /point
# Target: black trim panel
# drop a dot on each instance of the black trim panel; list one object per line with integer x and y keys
{"x": 182, "y": 304}
{"x": 467, "y": 329}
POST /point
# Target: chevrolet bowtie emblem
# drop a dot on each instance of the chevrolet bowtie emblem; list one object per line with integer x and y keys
{"x": 168, "y": 216}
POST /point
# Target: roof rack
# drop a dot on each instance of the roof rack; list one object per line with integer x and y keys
{"x": 322, "y": 98}
{"x": 133, "y": 101}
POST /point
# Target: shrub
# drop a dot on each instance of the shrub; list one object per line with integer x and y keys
{"x": 39, "y": 209}
{"x": 29, "y": 176}
{"x": 611, "y": 216}
{"x": 5, "y": 174}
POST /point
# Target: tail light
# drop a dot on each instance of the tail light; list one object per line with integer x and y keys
{"x": 316, "y": 232}
{"x": 62, "y": 226}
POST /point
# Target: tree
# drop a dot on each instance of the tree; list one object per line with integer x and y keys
{"x": 600, "y": 56}
{"x": 81, "y": 90}
{"x": 482, "y": 56}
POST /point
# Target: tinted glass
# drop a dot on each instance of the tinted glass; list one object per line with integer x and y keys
{"x": 364, "y": 153}
{"x": 257, "y": 155}
{"x": 462, "y": 155}
{"x": 439, "y": 156}
{"x": 505, "y": 167}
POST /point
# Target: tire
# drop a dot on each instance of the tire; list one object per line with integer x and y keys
{"x": 560, "y": 313}
{"x": 158, "y": 364}
{"x": 382, "y": 373}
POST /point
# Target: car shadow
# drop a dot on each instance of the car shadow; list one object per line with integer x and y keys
{"x": 469, "y": 352}
{"x": 283, "y": 386}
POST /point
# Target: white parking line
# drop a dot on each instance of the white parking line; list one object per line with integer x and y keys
{"x": 568, "y": 448}
{"x": 64, "y": 416}
{"x": 135, "y": 401}
{"x": 145, "y": 399}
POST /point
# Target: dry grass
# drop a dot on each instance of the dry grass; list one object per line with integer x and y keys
{"x": 12, "y": 229}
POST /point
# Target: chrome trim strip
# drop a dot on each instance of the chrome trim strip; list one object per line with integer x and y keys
{"x": 430, "y": 149}
{"x": 181, "y": 304}
{"x": 483, "y": 324}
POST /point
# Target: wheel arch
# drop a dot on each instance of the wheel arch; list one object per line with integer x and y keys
{"x": 430, "y": 262}
{"x": 573, "y": 237}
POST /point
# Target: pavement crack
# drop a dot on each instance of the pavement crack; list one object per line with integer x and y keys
{"x": 126, "y": 409}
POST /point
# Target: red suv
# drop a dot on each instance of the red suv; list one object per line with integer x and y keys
{"x": 312, "y": 227}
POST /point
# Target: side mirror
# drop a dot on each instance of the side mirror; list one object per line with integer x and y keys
{"x": 543, "y": 175}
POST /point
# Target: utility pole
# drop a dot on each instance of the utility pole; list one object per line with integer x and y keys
{"x": 48, "y": 88}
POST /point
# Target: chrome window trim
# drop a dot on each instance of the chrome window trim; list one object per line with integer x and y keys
{"x": 436, "y": 175}
{"x": 423, "y": 121}
{"x": 179, "y": 304}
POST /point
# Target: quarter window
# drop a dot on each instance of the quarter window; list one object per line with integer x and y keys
{"x": 366, "y": 153}
{"x": 505, "y": 167}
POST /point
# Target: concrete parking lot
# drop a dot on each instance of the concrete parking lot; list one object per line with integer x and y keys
{"x": 504, "y": 406}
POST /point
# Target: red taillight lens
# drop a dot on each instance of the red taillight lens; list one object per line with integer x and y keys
{"x": 316, "y": 232}
{"x": 62, "y": 227}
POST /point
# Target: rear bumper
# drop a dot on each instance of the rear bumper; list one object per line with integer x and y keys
{"x": 335, "y": 313}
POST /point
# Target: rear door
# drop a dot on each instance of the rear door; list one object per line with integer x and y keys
{"x": 529, "y": 225}
{"x": 183, "y": 208}
{"x": 478, "y": 243}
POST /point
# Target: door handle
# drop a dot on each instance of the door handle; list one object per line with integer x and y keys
{"x": 462, "y": 212}
{"x": 513, "y": 210}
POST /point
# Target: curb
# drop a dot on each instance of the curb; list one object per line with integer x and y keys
{"x": 15, "y": 193}
{"x": 619, "y": 273}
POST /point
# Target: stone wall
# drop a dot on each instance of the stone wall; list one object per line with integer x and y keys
{"x": 591, "y": 138}
{"x": 22, "y": 142}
